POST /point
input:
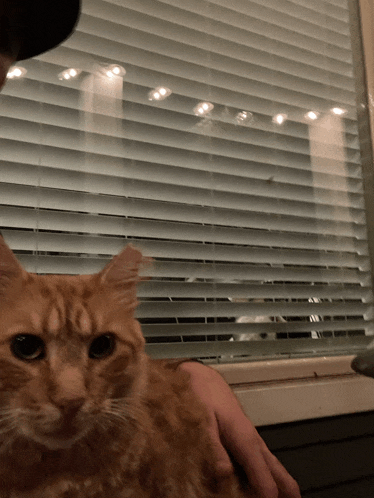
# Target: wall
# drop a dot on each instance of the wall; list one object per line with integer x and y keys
{"x": 330, "y": 458}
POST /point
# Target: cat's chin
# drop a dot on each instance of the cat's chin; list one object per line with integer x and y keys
{"x": 56, "y": 441}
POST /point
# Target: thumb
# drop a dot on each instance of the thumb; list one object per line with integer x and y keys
{"x": 222, "y": 462}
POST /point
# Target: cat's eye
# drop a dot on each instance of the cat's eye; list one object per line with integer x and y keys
{"x": 28, "y": 347}
{"x": 101, "y": 346}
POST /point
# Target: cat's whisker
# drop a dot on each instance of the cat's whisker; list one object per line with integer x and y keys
{"x": 117, "y": 416}
{"x": 127, "y": 409}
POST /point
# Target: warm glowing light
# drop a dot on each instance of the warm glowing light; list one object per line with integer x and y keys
{"x": 312, "y": 115}
{"x": 280, "y": 118}
{"x": 114, "y": 70}
{"x": 338, "y": 111}
{"x": 16, "y": 72}
{"x": 244, "y": 117}
{"x": 159, "y": 93}
{"x": 203, "y": 108}
{"x": 69, "y": 74}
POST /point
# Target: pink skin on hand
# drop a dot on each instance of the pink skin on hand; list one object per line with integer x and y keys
{"x": 231, "y": 429}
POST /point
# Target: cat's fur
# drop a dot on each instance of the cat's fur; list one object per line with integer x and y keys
{"x": 71, "y": 426}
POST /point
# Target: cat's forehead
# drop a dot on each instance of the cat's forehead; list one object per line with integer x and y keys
{"x": 51, "y": 304}
{"x": 67, "y": 306}
{"x": 65, "y": 285}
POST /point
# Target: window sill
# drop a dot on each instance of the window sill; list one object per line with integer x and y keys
{"x": 280, "y": 391}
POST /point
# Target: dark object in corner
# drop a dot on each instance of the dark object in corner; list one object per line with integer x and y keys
{"x": 31, "y": 27}
{"x": 364, "y": 363}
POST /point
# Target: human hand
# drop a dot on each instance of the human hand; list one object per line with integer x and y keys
{"x": 231, "y": 429}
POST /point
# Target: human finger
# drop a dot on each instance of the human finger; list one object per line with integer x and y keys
{"x": 287, "y": 485}
{"x": 222, "y": 461}
{"x": 243, "y": 444}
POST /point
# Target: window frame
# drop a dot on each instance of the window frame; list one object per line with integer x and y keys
{"x": 281, "y": 391}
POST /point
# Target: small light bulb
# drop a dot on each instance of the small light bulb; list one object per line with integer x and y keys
{"x": 67, "y": 74}
{"x": 279, "y": 118}
{"x": 159, "y": 93}
{"x": 112, "y": 70}
{"x": 244, "y": 117}
{"x": 311, "y": 115}
{"x": 16, "y": 72}
{"x": 203, "y": 108}
{"x": 338, "y": 111}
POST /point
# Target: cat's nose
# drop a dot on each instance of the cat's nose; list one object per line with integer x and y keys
{"x": 70, "y": 407}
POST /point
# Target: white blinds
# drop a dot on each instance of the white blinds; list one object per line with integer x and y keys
{"x": 257, "y": 226}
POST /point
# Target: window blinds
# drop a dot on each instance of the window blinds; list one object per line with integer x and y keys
{"x": 244, "y": 184}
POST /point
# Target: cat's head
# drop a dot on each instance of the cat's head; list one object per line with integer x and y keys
{"x": 71, "y": 350}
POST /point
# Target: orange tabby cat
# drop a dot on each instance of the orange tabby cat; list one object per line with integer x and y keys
{"x": 84, "y": 412}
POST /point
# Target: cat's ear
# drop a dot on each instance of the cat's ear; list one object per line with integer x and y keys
{"x": 10, "y": 268}
{"x": 125, "y": 267}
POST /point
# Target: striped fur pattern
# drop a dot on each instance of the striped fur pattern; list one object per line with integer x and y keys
{"x": 84, "y": 412}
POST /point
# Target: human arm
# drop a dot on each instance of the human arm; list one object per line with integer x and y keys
{"x": 231, "y": 429}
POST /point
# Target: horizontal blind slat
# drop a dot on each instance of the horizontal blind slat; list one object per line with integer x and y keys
{"x": 194, "y": 31}
{"x": 218, "y": 55}
{"x": 305, "y": 208}
{"x": 85, "y": 162}
{"x": 96, "y": 244}
{"x": 175, "y": 129}
{"x": 289, "y": 182}
{"x": 101, "y": 143}
{"x": 270, "y": 349}
{"x": 232, "y": 328}
{"x": 104, "y": 225}
{"x": 155, "y": 288}
{"x": 333, "y": 19}
{"x": 39, "y": 219}
{"x": 256, "y": 220}
{"x": 272, "y": 18}
{"x": 186, "y": 93}
{"x": 186, "y": 270}
{"x": 304, "y": 93}
{"x": 173, "y": 117}
{"x": 218, "y": 23}
{"x": 162, "y": 309}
